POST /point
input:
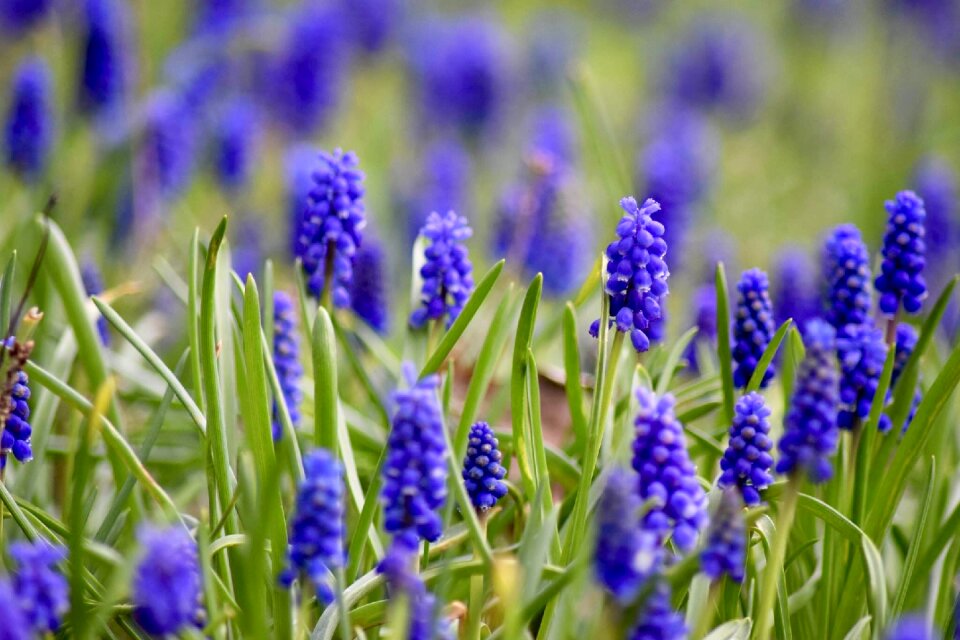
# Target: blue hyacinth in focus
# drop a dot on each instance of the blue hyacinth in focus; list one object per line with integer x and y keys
{"x": 482, "y": 472}
{"x": 796, "y": 294}
{"x": 168, "y": 144}
{"x": 667, "y": 477}
{"x": 861, "y": 351}
{"x": 28, "y": 132}
{"x": 167, "y": 587}
{"x": 317, "y": 530}
{"x": 286, "y": 359}
{"x": 442, "y": 185}
{"x": 626, "y": 553}
{"x": 810, "y": 433}
{"x": 16, "y": 16}
{"x": 17, "y": 430}
{"x": 726, "y": 547}
{"x": 746, "y": 462}
{"x": 447, "y": 272}
{"x": 705, "y": 319}
{"x": 15, "y": 623}
{"x": 900, "y": 282}
{"x": 93, "y": 285}
{"x": 104, "y": 59}
{"x": 753, "y": 327}
{"x": 846, "y": 274}
{"x": 330, "y": 229}
{"x": 235, "y": 144}
{"x": 371, "y": 278}
{"x": 636, "y": 273}
{"x": 657, "y": 620}
{"x": 41, "y": 590}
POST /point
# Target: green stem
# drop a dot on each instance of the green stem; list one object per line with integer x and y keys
{"x": 706, "y": 616}
{"x": 345, "y": 632}
{"x": 475, "y": 607}
{"x": 768, "y": 587}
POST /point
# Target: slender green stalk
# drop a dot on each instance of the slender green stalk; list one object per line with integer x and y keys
{"x": 345, "y": 631}
{"x": 475, "y": 606}
{"x": 707, "y": 615}
{"x": 771, "y": 573}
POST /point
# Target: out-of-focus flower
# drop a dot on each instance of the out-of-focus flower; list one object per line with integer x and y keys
{"x": 447, "y": 272}
{"x": 167, "y": 587}
{"x": 911, "y": 627}
{"x": 900, "y": 282}
{"x": 705, "y": 319}
{"x": 753, "y": 327}
{"x": 746, "y": 463}
{"x": 937, "y": 184}
{"x": 16, "y": 16}
{"x": 861, "y": 352}
{"x": 235, "y": 144}
{"x": 726, "y": 547}
{"x": 796, "y": 294}
{"x": 299, "y": 163}
{"x": 286, "y": 359}
{"x": 371, "y": 23}
{"x": 168, "y": 144}
{"x": 41, "y": 590}
{"x": 443, "y": 184}
{"x": 93, "y": 284}
{"x": 906, "y": 342}
{"x": 15, "y": 623}
{"x": 371, "y": 280}
{"x": 218, "y": 16}
{"x": 29, "y": 124}
{"x": 657, "y": 619}
{"x": 104, "y": 66}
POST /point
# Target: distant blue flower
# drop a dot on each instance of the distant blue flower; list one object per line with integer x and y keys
{"x": 414, "y": 472}
{"x": 810, "y": 432}
{"x": 299, "y": 163}
{"x": 17, "y": 430}
{"x": 29, "y": 124}
{"x": 747, "y": 462}
{"x": 552, "y": 135}
{"x": 657, "y": 620}
{"x": 316, "y": 530}
{"x": 938, "y": 185}
{"x": 482, "y": 472}
{"x": 796, "y": 288}
{"x": 93, "y": 284}
{"x": 330, "y": 231}
{"x": 705, "y": 319}
{"x": 726, "y": 547}
{"x": 19, "y": 15}
{"x": 900, "y": 282}
{"x": 248, "y": 247}
{"x": 447, "y": 272}
{"x": 667, "y": 477}
{"x": 16, "y": 626}
{"x": 846, "y": 273}
{"x": 443, "y": 183}
{"x": 40, "y": 588}
{"x": 554, "y": 42}
{"x": 371, "y": 23}
{"x": 636, "y": 273}
{"x": 286, "y": 359}
{"x": 906, "y": 342}
{"x": 235, "y": 144}
{"x": 169, "y": 144}
{"x": 861, "y": 351}
{"x": 217, "y": 16}
{"x": 424, "y": 621}
{"x": 753, "y": 327}
{"x": 167, "y": 587}
{"x": 911, "y": 627}
{"x": 626, "y": 554}
{"x": 371, "y": 280}
{"x": 104, "y": 65}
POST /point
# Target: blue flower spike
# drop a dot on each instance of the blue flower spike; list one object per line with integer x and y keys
{"x": 900, "y": 282}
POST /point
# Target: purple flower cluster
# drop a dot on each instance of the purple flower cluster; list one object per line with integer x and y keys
{"x": 705, "y": 319}
{"x": 93, "y": 285}
{"x": 900, "y": 282}
{"x": 16, "y": 432}
{"x": 753, "y": 327}
{"x": 235, "y": 144}
{"x": 29, "y": 124}
{"x": 657, "y": 620}
{"x": 424, "y": 622}
{"x": 810, "y": 433}
{"x": 861, "y": 352}
{"x": 169, "y": 141}
{"x": 41, "y": 590}
{"x": 937, "y": 184}
{"x": 746, "y": 463}
{"x": 443, "y": 185}
{"x": 796, "y": 293}
{"x": 447, "y": 272}
{"x": 846, "y": 272}
{"x": 911, "y": 627}
{"x": 636, "y": 273}
{"x": 286, "y": 359}
{"x": 482, "y": 472}
{"x": 103, "y": 67}
{"x": 906, "y": 342}
{"x": 330, "y": 230}
{"x": 370, "y": 277}
{"x": 726, "y": 547}
{"x": 167, "y": 586}
{"x": 16, "y": 16}
{"x": 15, "y": 623}
{"x": 316, "y": 531}
{"x": 667, "y": 477}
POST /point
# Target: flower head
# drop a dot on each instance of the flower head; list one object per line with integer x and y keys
{"x": 447, "y": 272}
{"x": 330, "y": 230}
{"x": 40, "y": 588}
{"x": 906, "y": 342}
{"x": 316, "y": 531}
{"x": 29, "y": 120}
{"x": 726, "y": 547}
{"x": 371, "y": 23}
{"x": 424, "y": 623}
{"x": 746, "y": 463}
{"x": 235, "y": 142}
{"x": 286, "y": 359}
{"x": 104, "y": 65}
{"x": 167, "y": 587}
{"x": 705, "y": 319}
{"x": 810, "y": 432}
{"x": 911, "y": 627}
{"x": 169, "y": 144}
{"x": 657, "y": 619}
{"x": 16, "y": 433}
{"x": 299, "y": 162}
{"x": 937, "y": 184}
{"x": 861, "y": 352}
{"x": 667, "y": 477}
{"x": 796, "y": 294}
{"x": 636, "y": 273}
{"x": 370, "y": 285}
{"x": 93, "y": 284}
{"x": 16, "y": 626}
{"x": 900, "y": 282}
{"x": 753, "y": 327}
{"x": 482, "y": 472}
{"x": 442, "y": 185}
{"x": 846, "y": 272}
{"x": 17, "y": 16}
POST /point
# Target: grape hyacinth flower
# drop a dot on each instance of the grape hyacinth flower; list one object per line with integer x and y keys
{"x": 447, "y": 272}
{"x": 861, "y": 352}
{"x": 753, "y": 327}
{"x": 939, "y": 188}
{"x": 846, "y": 272}
{"x": 93, "y": 284}
{"x": 796, "y": 294}
{"x": 911, "y": 627}
{"x": 15, "y": 623}
{"x": 168, "y": 144}
{"x": 16, "y": 432}
{"x": 235, "y": 144}
{"x": 371, "y": 23}
{"x": 286, "y": 359}
{"x": 17, "y": 16}
{"x": 316, "y": 531}
{"x": 28, "y": 132}
{"x": 220, "y": 16}
{"x": 900, "y": 282}
{"x": 414, "y": 472}
{"x": 443, "y": 183}
{"x": 482, "y": 472}
{"x": 41, "y": 590}
{"x": 666, "y": 475}
{"x": 726, "y": 548}
{"x": 370, "y": 284}
{"x": 636, "y": 273}
{"x": 906, "y": 342}
{"x": 626, "y": 552}
{"x": 746, "y": 462}
{"x": 167, "y": 587}
{"x": 103, "y": 68}
{"x": 330, "y": 231}
{"x": 424, "y": 623}
{"x": 705, "y": 319}
{"x": 657, "y": 619}
{"x": 810, "y": 433}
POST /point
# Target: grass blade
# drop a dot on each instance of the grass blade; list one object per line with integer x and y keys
{"x": 572, "y": 385}
{"x": 676, "y": 353}
{"x": 768, "y": 355}
{"x": 518, "y": 373}
{"x": 723, "y": 342}
{"x": 910, "y": 564}
{"x": 324, "y": 354}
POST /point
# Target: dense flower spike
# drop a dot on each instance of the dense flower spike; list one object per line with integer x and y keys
{"x": 753, "y": 327}
{"x": 371, "y": 23}
{"x": 371, "y": 279}
{"x": 906, "y": 342}
{"x": 93, "y": 284}
{"x": 796, "y": 294}
{"x": 746, "y": 463}
{"x": 900, "y": 282}
{"x": 726, "y": 548}
{"x": 443, "y": 184}
{"x": 41, "y": 589}
{"x": 330, "y": 231}
{"x": 167, "y": 587}
{"x": 657, "y": 619}
{"x": 666, "y": 475}
{"x": 16, "y": 433}
{"x": 636, "y": 273}
{"x": 447, "y": 272}
{"x": 911, "y": 627}
{"x": 846, "y": 272}
{"x": 705, "y": 319}
{"x": 626, "y": 553}
{"x": 482, "y": 472}
{"x": 861, "y": 352}
{"x": 286, "y": 359}
{"x": 810, "y": 434}
{"x": 316, "y": 531}
{"x": 28, "y": 132}
{"x": 16, "y": 626}
{"x": 414, "y": 472}
{"x": 169, "y": 144}
{"x": 235, "y": 144}
{"x": 17, "y": 16}
{"x": 104, "y": 67}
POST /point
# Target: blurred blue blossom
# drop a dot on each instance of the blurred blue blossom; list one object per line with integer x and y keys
{"x": 657, "y": 620}
{"x": 371, "y": 285}
{"x": 104, "y": 67}
{"x": 726, "y": 547}
{"x": 168, "y": 144}
{"x": 167, "y": 586}
{"x": 29, "y": 123}
{"x": 372, "y": 23}
{"x": 286, "y": 359}
{"x": 41, "y": 589}
{"x": 235, "y": 144}
{"x": 442, "y": 185}
{"x": 17, "y": 16}
{"x": 796, "y": 295}
{"x": 861, "y": 351}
